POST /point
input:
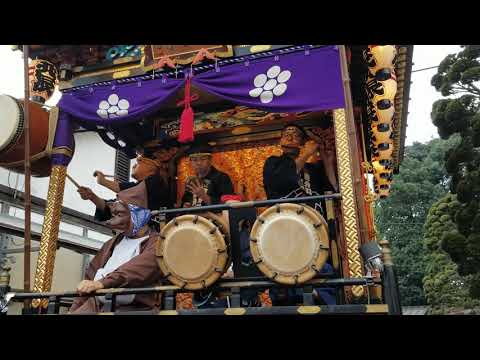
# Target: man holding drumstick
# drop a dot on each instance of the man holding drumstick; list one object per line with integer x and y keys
{"x": 154, "y": 182}
{"x": 206, "y": 187}
{"x": 290, "y": 175}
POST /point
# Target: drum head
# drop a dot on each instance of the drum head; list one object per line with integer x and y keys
{"x": 193, "y": 251}
{"x": 289, "y": 243}
{"x": 11, "y": 118}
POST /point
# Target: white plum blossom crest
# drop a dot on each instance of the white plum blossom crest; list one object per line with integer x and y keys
{"x": 271, "y": 84}
{"x": 113, "y": 107}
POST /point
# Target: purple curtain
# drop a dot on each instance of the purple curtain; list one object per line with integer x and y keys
{"x": 63, "y": 139}
{"x": 119, "y": 103}
{"x": 293, "y": 83}
{"x": 289, "y": 83}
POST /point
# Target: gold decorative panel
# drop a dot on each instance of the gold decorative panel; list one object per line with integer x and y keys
{"x": 48, "y": 241}
{"x": 344, "y": 162}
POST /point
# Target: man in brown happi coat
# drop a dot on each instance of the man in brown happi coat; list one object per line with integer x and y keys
{"x": 127, "y": 260}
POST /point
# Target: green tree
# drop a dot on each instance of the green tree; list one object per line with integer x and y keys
{"x": 444, "y": 288}
{"x": 400, "y": 218}
{"x": 459, "y": 75}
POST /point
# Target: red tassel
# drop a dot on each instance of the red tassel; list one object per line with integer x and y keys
{"x": 186, "y": 120}
{"x": 186, "y": 126}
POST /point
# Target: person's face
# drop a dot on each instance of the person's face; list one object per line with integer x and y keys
{"x": 120, "y": 220}
{"x": 201, "y": 165}
{"x": 135, "y": 166}
{"x": 291, "y": 138}
{"x": 134, "y": 170}
{"x": 164, "y": 154}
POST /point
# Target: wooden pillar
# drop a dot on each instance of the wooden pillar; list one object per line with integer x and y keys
{"x": 28, "y": 205}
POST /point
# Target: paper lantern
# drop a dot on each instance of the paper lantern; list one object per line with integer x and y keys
{"x": 380, "y": 182}
{"x": 380, "y": 57}
{"x": 387, "y": 164}
{"x": 43, "y": 77}
{"x": 380, "y": 133}
{"x": 379, "y": 90}
{"x": 382, "y": 166}
{"x": 382, "y": 153}
{"x": 384, "y": 177}
{"x": 383, "y": 74}
{"x": 383, "y": 114}
{"x": 381, "y": 146}
{"x": 378, "y": 187}
{"x": 383, "y": 193}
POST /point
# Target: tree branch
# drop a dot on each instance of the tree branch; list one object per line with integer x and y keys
{"x": 463, "y": 87}
{"x": 461, "y": 91}
{"x": 474, "y": 89}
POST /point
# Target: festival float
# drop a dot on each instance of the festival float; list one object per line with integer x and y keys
{"x": 236, "y": 99}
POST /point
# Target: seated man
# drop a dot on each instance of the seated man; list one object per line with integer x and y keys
{"x": 289, "y": 175}
{"x": 208, "y": 185}
{"x": 127, "y": 260}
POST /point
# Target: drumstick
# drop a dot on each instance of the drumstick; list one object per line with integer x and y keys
{"x": 73, "y": 181}
{"x": 96, "y": 173}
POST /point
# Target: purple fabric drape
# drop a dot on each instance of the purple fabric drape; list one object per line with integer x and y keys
{"x": 295, "y": 82}
{"x": 120, "y": 103}
{"x": 63, "y": 139}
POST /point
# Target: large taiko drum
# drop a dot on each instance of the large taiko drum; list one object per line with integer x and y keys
{"x": 289, "y": 243}
{"x": 194, "y": 250}
{"x": 12, "y": 136}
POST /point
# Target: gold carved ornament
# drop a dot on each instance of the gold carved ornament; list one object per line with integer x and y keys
{"x": 48, "y": 241}
{"x": 348, "y": 198}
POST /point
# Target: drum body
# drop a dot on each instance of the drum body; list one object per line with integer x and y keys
{"x": 194, "y": 250}
{"x": 289, "y": 243}
{"x": 12, "y": 136}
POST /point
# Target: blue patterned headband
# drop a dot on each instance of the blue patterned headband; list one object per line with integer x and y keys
{"x": 140, "y": 217}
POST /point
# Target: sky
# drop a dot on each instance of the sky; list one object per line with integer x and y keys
{"x": 422, "y": 94}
